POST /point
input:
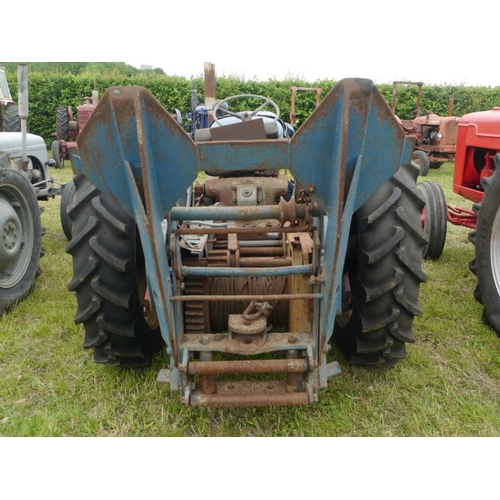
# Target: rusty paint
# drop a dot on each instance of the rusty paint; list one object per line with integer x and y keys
{"x": 245, "y": 345}
{"x": 419, "y": 95}
{"x": 294, "y": 95}
{"x": 328, "y": 173}
{"x": 267, "y": 251}
{"x": 209, "y": 74}
{"x": 230, "y": 298}
{"x": 258, "y": 398}
{"x": 259, "y": 230}
{"x": 238, "y": 324}
{"x": 248, "y": 366}
{"x": 300, "y": 312}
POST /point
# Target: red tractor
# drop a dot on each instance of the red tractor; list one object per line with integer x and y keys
{"x": 435, "y": 136}
{"x": 67, "y": 128}
{"x": 476, "y": 178}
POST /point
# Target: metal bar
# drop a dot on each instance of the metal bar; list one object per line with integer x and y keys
{"x": 461, "y": 217}
{"x": 267, "y": 251}
{"x": 265, "y": 262}
{"x": 260, "y": 243}
{"x": 247, "y": 272}
{"x": 248, "y": 366}
{"x": 257, "y": 298}
{"x": 276, "y": 399}
{"x": 207, "y": 381}
{"x": 209, "y": 72}
{"x": 233, "y": 213}
{"x": 240, "y": 230}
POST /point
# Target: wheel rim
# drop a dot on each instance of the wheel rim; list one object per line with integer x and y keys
{"x": 495, "y": 250}
{"x": 16, "y": 229}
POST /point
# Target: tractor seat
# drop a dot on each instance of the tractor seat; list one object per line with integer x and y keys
{"x": 252, "y": 130}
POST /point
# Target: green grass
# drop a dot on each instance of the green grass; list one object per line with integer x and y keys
{"x": 448, "y": 386}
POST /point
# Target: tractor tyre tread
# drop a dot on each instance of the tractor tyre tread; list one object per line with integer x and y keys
{"x": 388, "y": 271}
{"x": 11, "y": 120}
{"x": 103, "y": 247}
{"x": 434, "y": 218}
{"x": 67, "y": 196}
{"x": 486, "y": 257}
{"x": 62, "y": 123}
{"x": 422, "y": 161}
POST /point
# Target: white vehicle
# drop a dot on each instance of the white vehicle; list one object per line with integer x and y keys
{"x": 24, "y": 180}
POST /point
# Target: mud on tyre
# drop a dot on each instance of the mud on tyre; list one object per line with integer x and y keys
{"x": 383, "y": 269}
{"x": 109, "y": 280}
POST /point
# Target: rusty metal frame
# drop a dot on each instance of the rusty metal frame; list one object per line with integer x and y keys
{"x": 136, "y": 153}
{"x": 419, "y": 95}
{"x": 294, "y": 95}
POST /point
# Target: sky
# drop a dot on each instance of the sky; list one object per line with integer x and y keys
{"x": 444, "y": 42}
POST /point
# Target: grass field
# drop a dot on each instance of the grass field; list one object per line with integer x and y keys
{"x": 448, "y": 386}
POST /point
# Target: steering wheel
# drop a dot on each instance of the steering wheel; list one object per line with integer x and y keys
{"x": 245, "y": 115}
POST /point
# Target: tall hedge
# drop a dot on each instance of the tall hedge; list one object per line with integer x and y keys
{"x": 48, "y": 91}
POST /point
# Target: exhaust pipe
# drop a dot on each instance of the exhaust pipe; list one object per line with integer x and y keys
{"x": 22, "y": 85}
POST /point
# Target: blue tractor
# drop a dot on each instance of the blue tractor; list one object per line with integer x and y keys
{"x": 246, "y": 250}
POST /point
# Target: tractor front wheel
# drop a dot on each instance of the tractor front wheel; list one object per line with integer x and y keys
{"x": 20, "y": 238}
{"x": 422, "y": 161}
{"x": 67, "y": 196}
{"x": 434, "y": 218}
{"x": 109, "y": 280}
{"x": 382, "y": 274}
{"x": 486, "y": 239}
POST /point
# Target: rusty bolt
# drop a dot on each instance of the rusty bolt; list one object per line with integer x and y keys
{"x": 311, "y": 188}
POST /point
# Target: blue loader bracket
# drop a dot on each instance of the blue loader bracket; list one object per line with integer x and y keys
{"x": 136, "y": 153}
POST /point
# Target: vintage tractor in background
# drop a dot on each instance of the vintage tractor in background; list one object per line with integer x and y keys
{"x": 9, "y": 112}
{"x": 24, "y": 180}
{"x": 67, "y": 128}
{"x": 476, "y": 178}
{"x": 244, "y": 251}
{"x": 435, "y": 136}
{"x": 63, "y": 148}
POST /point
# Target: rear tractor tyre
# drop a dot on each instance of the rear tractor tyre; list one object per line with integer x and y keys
{"x": 436, "y": 164}
{"x": 434, "y": 218}
{"x": 62, "y": 123}
{"x": 422, "y": 161}
{"x": 383, "y": 269}
{"x": 109, "y": 280}
{"x": 11, "y": 120}
{"x": 486, "y": 239}
{"x": 21, "y": 238}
